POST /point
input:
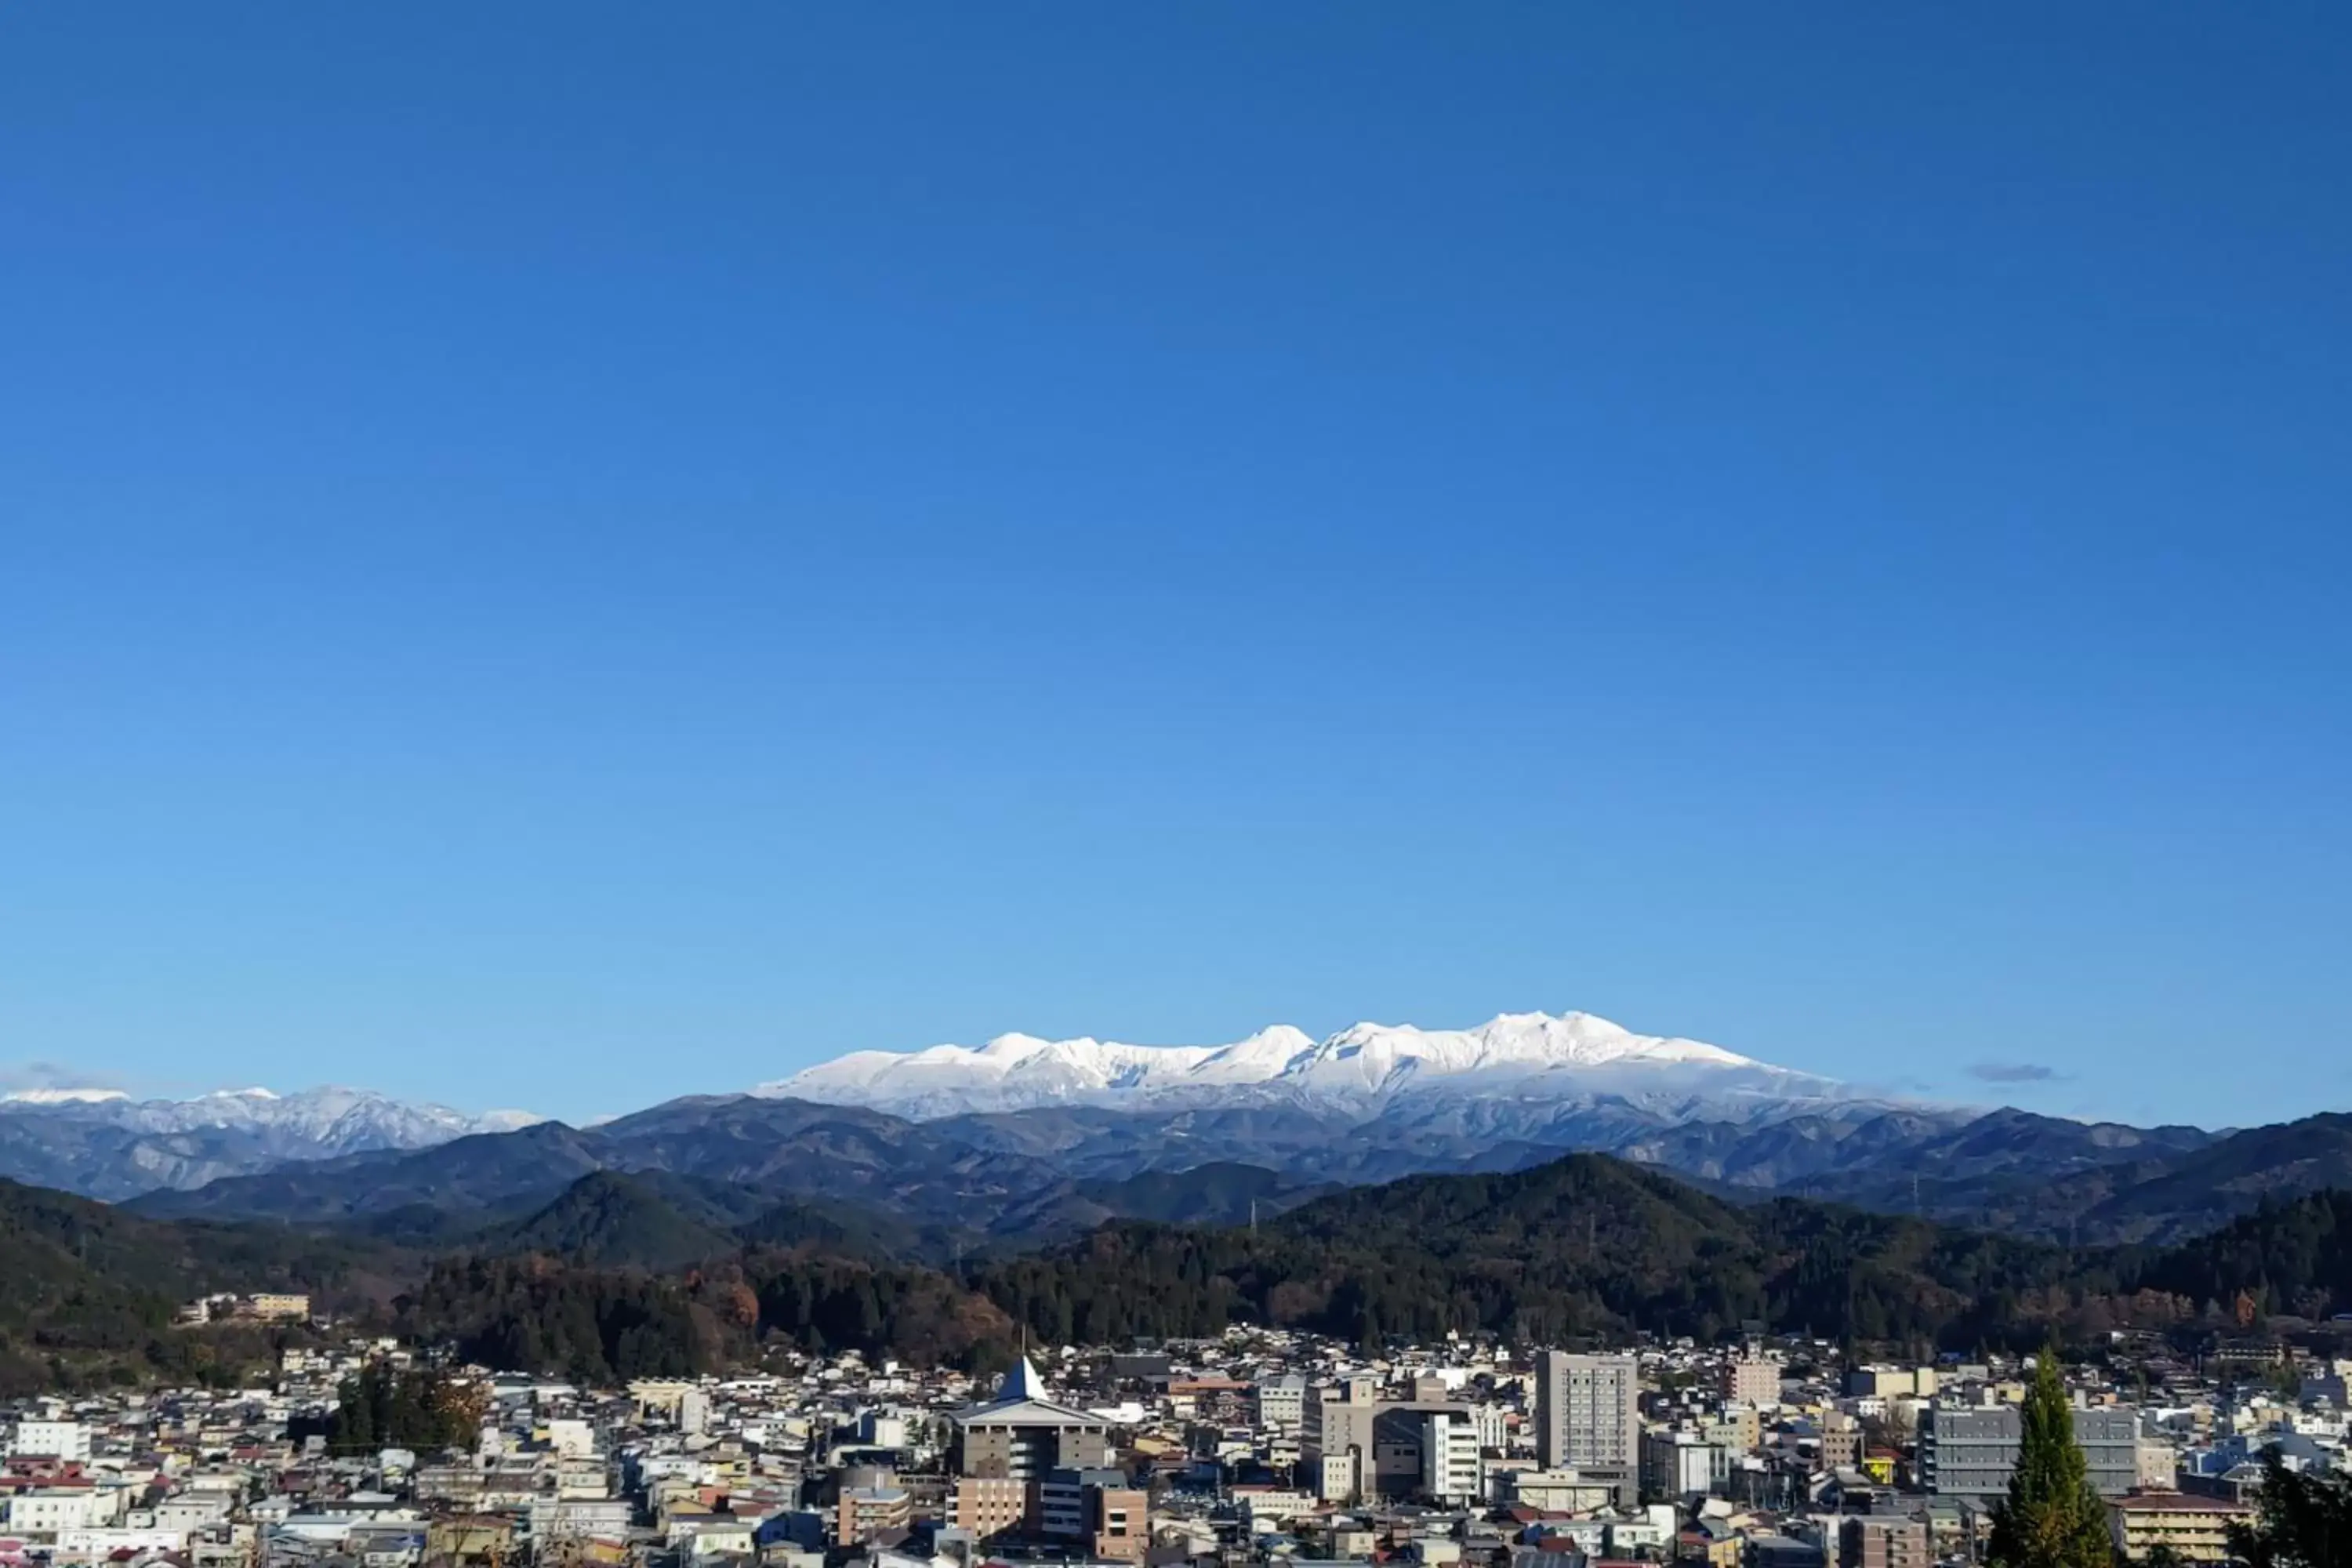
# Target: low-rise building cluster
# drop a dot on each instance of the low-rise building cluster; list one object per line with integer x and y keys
{"x": 1258, "y": 1448}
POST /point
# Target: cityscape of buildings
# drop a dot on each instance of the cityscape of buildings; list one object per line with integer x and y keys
{"x": 1257, "y": 1448}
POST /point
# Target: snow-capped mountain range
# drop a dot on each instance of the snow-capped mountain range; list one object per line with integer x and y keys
{"x": 1521, "y": 1056}
{"x": 103, "y": 1143}
{"x": 1508, "y": 1090}
{"x": 337, "y": 1121}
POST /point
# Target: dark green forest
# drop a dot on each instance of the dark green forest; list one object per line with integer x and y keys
{"x": 1585, "y": 1246}
{"x": 605, "y": 1326}
{"x": 88, "y": 1292}
{"x": 623, "y": 1277}
{"x": 385, "y": 1407}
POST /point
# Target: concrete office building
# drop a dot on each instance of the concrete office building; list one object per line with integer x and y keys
{"x": 1336, "y": 1440}
{"x": 1589, "y": 1418}
{"x": 1968, "y": 1451}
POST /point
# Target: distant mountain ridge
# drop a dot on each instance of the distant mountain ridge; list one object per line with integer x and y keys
{"x": 994, "y": 1180}
{"x": 104, "y": 1144}
{"x": 954, "y": 1148}
{"x": 1574, "y": 1057}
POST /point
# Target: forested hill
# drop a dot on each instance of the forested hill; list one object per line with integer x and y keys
{"x": 89, "y": 1290}
{"x": 1588, "y": 1245}
{"x": 2287, "y": 1257}
{"x": 629, "y": 1277}
{"x": 1583, "y": 1246}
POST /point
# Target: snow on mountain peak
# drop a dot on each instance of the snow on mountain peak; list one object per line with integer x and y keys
{"x": 227, "y": 1132}
{"x": 1536, "y": 1054}
{"x": 1013, "y": 1047}
{"x": 328, "y": 1120}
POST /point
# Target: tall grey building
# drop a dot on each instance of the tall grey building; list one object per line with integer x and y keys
{"x": 1589, "y": 1417}
{"x": 1336, "y": 1439}
{"x": 1969, "y": 1450}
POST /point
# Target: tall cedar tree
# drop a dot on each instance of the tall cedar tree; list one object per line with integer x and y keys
{"x": 2304, "y": 1522}
{"x": 2051, "y": 1518}
{"x": 385, "y": 1408}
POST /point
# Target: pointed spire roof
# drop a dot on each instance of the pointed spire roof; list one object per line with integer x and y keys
{"x": 1023, "y": 1382}
{"x": 1022, "y": 1401}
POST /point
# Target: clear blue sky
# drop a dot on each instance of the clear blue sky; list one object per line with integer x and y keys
{"x": 560, "y": 555}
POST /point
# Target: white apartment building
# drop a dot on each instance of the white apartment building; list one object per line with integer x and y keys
{"x": 47, "y": 1512}
{"x": 1452, "y": 1468}
{"x": 50, "y": 1439}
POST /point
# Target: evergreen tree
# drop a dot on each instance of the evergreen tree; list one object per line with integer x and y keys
{"x": 2305, "y": 1521}
{"x": 382, "y": 1407}
{"x": 2051, "y": 1518}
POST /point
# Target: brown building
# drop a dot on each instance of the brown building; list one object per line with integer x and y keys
{"x": 470, "y": 1538}
{"x": 865, "y": 1512}
{"x": 988, "y": 1505}
{"x": 2196, "y": 1528}
{"x": 1841, "y": 1442}
{"x": 1122, "y": 1524}
{"x": 1884, "y": 1542}
{"x": 1752, "y": 1380}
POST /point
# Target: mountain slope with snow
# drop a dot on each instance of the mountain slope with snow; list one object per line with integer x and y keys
{"x": 1525, "y": 1056}
{"x": 103, "y": 1143}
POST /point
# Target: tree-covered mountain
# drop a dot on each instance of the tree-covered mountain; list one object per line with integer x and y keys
{"x": 632, "y": 1274}
{"x": 606, "y": 1325}
{"x": 1582, "y": 1246}
{"x": 89, "y": 1291}
{"x": 985, "y": 1181}
{"x": 1589, "y": 1245}
{"x": 1586, "y": 1246}
{"x": 1907, "y": 1157}
{"x": 2289, "y": 1257}
{"x": 480, "y": 1175}
{"x": 2195, "y": 1192}
{"x": 2165, "y": 1186}
{"x": 616, "y": 1221}
{"x": 656, "y": 1221}
{"x": 765, "y": 1151}
{"x": 1223, "y": 1192}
